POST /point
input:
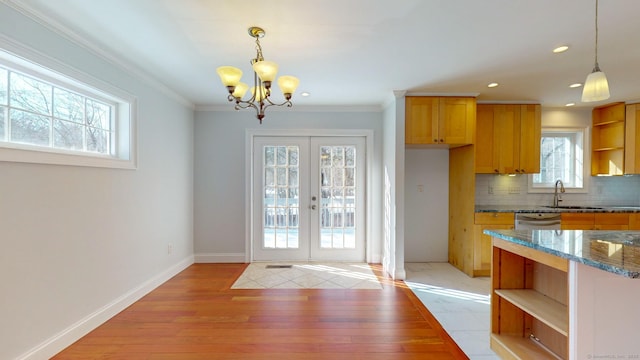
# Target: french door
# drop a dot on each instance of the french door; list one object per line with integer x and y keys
{"x": 308, "y": 198}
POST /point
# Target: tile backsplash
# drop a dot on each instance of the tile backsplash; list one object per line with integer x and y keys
{"x": 512, "y": 190}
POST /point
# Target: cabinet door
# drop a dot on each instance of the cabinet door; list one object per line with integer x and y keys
{"x": 421, "y": 125}
{"x": 507, "y": 126}
{"x": 482, "y": 242}
{"x": 457, "y": 120}
{"x": 486, "y": 149}
{"x": 634, "y": 221}
{"x": 632, "y": 140}
{"x": 530, "y": 134}
{"x": 611, "y": 221}
{"x": 577, "y": 221}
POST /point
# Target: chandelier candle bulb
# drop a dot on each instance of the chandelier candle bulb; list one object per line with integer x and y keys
{"x": 240, "y": 90}
{"x": 266, "y": 70}
{"x": 288, "y": 85}
{"x": 229, "y": 75}
{"x": 264, "y": 73}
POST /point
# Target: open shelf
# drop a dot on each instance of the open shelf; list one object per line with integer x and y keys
{"x": 541, "y": 307}
{"x": 511, "y": 346}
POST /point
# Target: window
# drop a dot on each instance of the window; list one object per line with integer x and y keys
{"x": 561, "y": 158}
{"x": 48, "y": 117}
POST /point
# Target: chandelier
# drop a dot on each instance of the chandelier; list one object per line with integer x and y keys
{"x": 264, "y": 72}
{"x": 596, "y": 87}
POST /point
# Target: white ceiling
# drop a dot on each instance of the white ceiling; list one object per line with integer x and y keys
{"x": 357, "y": 52}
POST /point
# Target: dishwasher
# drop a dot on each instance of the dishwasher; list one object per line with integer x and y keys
{"x": 526, "y": 221}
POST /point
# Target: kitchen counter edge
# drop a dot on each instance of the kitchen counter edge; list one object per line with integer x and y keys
{"x": 525, "y": 238}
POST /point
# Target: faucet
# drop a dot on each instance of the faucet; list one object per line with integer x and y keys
{"x": 556, "y": 196}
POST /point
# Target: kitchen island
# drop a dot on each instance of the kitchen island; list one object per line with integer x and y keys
{"x": 568, "y": 294}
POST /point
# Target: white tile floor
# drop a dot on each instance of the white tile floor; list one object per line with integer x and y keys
{"x": 460, "y": 304}
{"x": 306, "y": 275}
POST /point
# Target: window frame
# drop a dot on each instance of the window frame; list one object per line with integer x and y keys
{"x": 123, "y": 153}
{"x": 586, "y": 161}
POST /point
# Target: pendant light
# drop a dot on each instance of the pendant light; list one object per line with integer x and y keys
{"x": 596, "y": 87}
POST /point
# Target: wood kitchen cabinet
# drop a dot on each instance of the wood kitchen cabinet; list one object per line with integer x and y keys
{"x": 632, "y": 140}
{"x": 594, "y": 221}
{"x": 508, "y": 139}
{"x": 608, "y": 139}
{"x": 530, "y": 296}
{"x": 634, "y": 221}
{"x": 482, "y": 242}
{"x": 440, "y": 120}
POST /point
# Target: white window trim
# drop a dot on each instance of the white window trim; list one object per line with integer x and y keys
{"x": 22, "y": 57}
{"x": 586, "y": 169}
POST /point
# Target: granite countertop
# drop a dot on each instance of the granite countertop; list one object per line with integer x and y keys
{"x": 549, "y": 209}
{"x": 617, "y": 252}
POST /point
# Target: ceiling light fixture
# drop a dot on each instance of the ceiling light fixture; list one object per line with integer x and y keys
{"x": 561, "y": 49}
{"x": 596, "y": 87}
{"x": 264, "y": 72}
{"x": 575, "y": 85}
{"x": 492, "y": 85}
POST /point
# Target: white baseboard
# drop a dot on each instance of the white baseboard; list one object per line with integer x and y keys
{"x": 220, "y": 258}
{"x": 68, "y": 336}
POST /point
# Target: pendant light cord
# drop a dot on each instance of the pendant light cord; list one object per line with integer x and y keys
{"x": 597, "y": 66}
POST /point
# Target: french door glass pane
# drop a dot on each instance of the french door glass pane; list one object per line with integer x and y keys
{"x": 337, "y": 199}
{"x": 281, "y": 202}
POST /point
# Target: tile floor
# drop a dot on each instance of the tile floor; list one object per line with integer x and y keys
{"x": 305, "y": 275}
{"x": 460, "y": 304}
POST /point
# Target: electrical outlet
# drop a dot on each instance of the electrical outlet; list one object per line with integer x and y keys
{"x": 514, "y": 189}
{"x": 169, "y": 249}
{"x": 490, "y": 190}
{"x": 420, "y": 188}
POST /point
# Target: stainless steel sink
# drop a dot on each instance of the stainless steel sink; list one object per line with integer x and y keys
{"x": 572, "y": 207}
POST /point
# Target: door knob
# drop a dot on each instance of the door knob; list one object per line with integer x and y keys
{"x": 313, "y": 207}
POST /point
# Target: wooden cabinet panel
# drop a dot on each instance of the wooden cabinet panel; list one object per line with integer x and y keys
{"x": 594, "y": 221}
{"x": 530, "y": 134}
{"x": 439, "y": 120}
{"x": 634, "y": 221}
{"x": 515, "y": 132}
{"x": 577, "y": 221}
{"x": 421, "y": 114}
{"x": 608, "y": 140}
{"x": 632, "y": 140}
{"x": 482, "y": 242}
{"x": 529, "y": 295}
{"x": 486, "y": 149}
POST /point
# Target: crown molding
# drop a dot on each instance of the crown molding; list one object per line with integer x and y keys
{"x": 57, "y": 27}
{"x": 295, "y": 108}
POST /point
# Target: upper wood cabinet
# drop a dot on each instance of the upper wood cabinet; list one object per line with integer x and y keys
{"x": 632, "y": 140}
{"x": 508, "y": 139}
{"x": 608, "y": 140}
{"x": 440, "y": 120}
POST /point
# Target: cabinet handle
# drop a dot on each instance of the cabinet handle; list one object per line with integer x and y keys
{"x": 517, "y": 170}
{"x": 435, "y": 140}
{"x": 522, "y": 171}
{"x": 495, "y": 171}
{"x": 441, "y": 140}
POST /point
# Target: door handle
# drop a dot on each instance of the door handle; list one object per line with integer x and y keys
{"x": 313, "y": 207}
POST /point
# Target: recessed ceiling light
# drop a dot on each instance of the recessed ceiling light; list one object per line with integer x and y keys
{"x": 305, "y": 94}
{"x": 576, "y": 85}
{"x": 569, "y": 104}
{"x": 492, "y": 85}
{"x": 561, "y": 49}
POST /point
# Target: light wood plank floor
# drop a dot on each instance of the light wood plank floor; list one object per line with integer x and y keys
{"x": 196, "y": 315}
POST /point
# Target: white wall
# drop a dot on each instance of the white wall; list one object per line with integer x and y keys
{"x": 426, "y": 201}
{"x": 603, "y": 190}
{"x": 220, "y": 177}
{"x": 79, "y": 243}
{"x": 393, "y": 187}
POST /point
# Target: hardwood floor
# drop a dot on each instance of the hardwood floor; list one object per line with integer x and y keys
{"x": 196, "y": 315}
